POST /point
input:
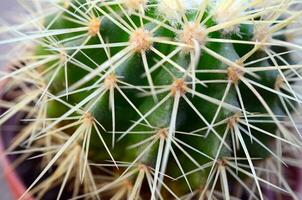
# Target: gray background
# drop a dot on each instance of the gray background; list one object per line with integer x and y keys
{"x": 7, "y": 10}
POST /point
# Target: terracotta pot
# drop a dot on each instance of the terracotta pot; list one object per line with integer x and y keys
{"x": 15, "y": 184}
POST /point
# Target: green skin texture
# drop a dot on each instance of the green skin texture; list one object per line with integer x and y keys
{"x": 187, "y": 120}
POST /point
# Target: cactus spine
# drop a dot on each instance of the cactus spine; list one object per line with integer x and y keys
{"x": 145, "y": 99}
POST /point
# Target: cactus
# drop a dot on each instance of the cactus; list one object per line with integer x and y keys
{"x": 168, "y": 99}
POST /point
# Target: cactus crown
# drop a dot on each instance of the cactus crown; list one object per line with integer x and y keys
{"x": 146, "y": 99}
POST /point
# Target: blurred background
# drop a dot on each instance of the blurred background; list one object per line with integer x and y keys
{"x": 8, "y": 8}
{"x": 10, "y": 13}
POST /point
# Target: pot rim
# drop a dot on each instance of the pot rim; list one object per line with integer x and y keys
{"x": 14, "y": 182}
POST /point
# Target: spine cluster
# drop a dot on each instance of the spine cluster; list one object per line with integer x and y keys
{"x": 146, "y": 99}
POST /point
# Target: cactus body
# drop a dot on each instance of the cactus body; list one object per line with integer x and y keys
{"x": 161, "y": 100}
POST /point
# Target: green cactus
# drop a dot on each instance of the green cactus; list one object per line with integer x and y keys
{"x": 146, "y": 99}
